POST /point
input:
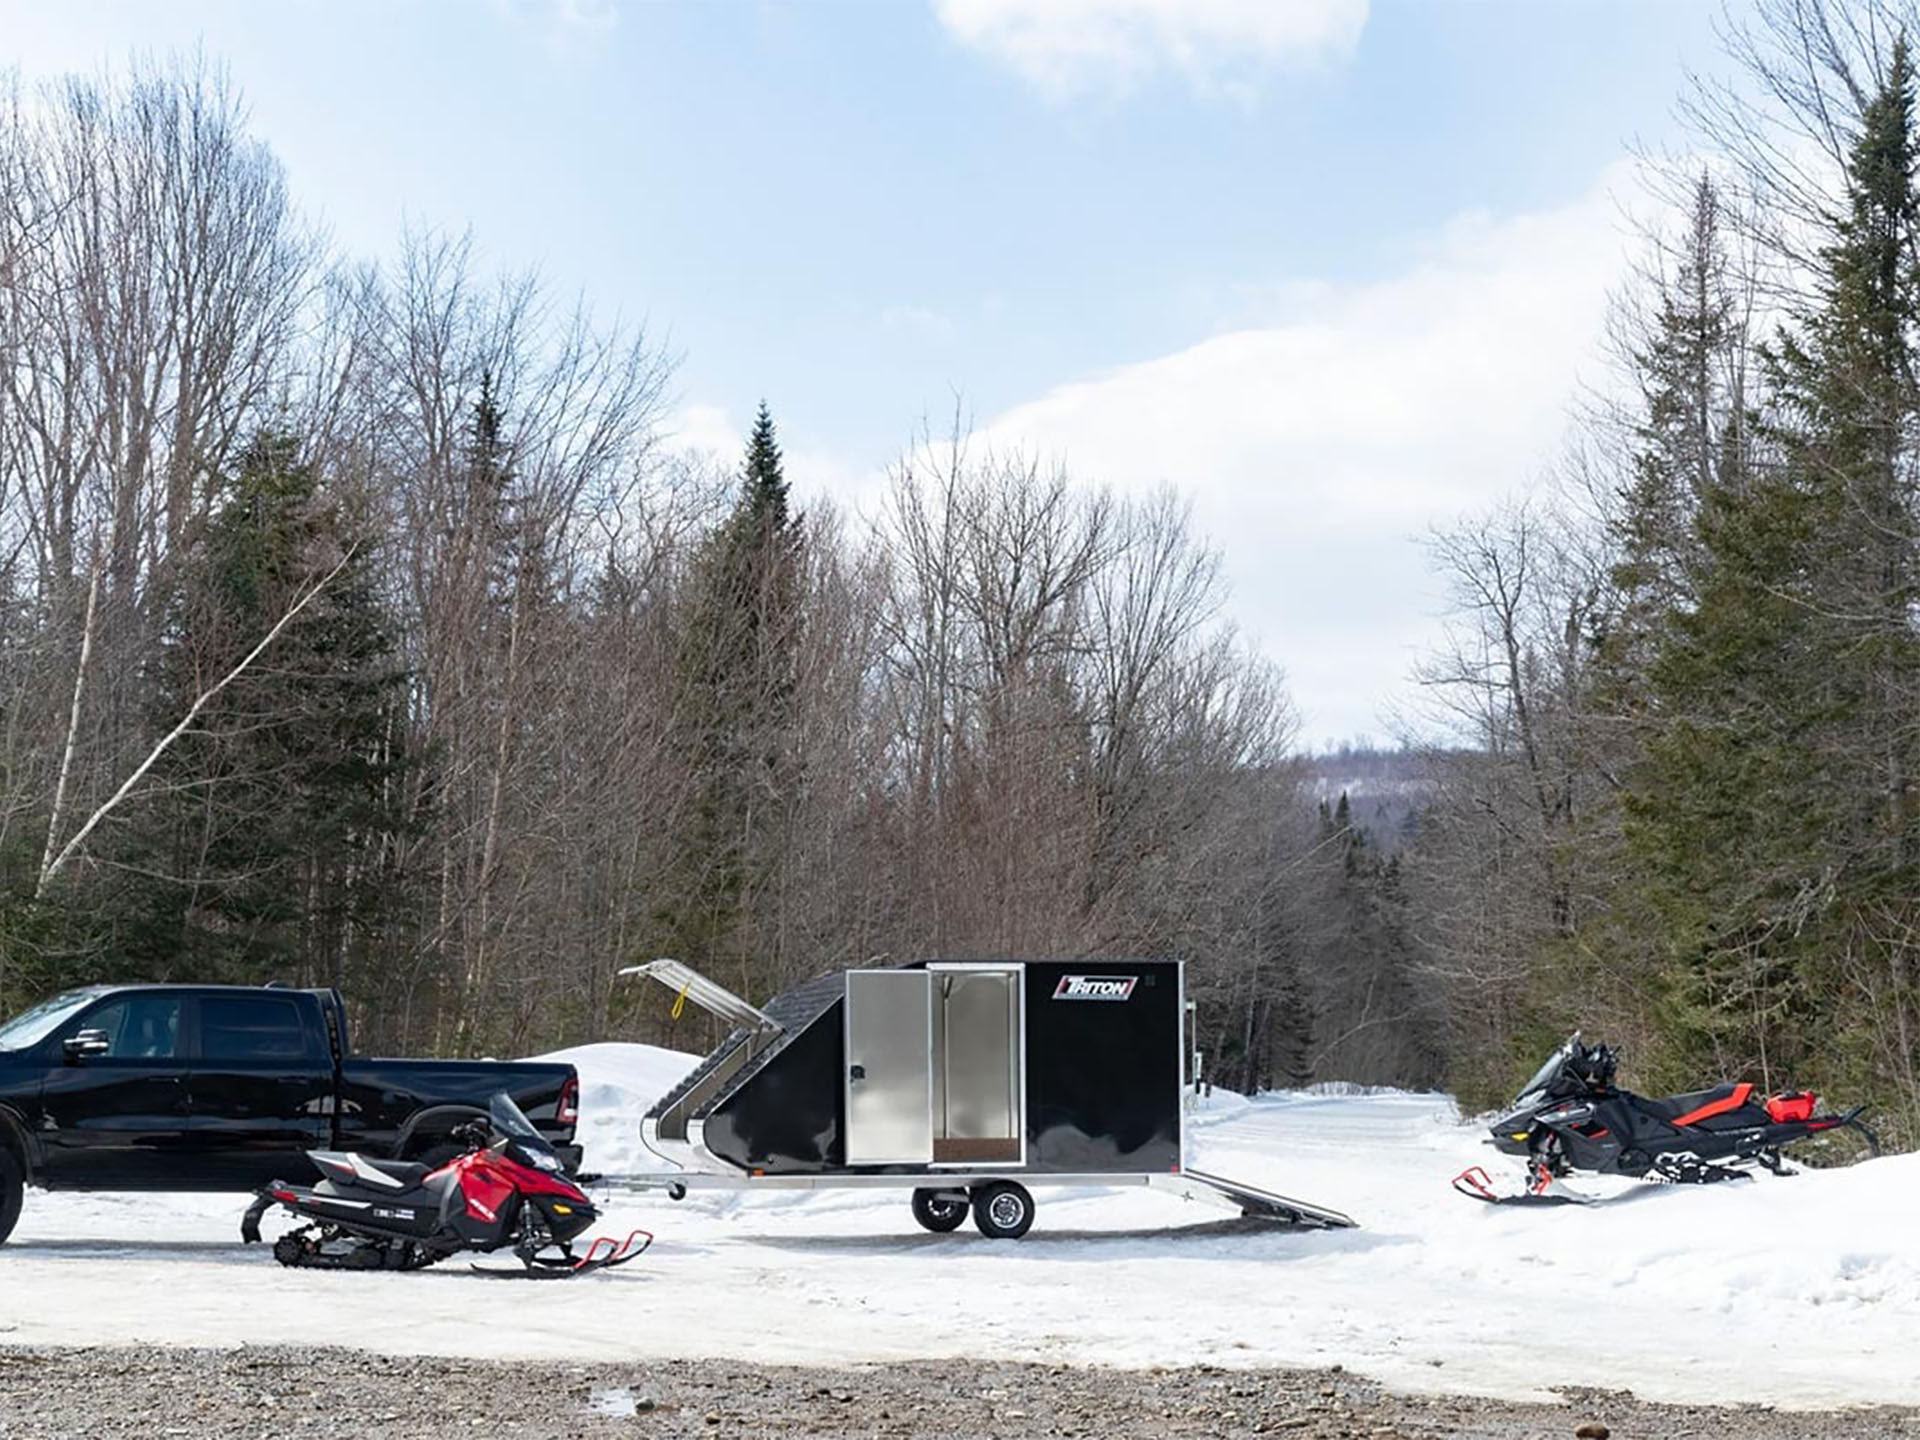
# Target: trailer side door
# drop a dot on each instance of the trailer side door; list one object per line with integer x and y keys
{"x": 889, "y": 1080}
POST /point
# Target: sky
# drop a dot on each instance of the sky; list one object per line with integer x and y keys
{"x": 1335, "y": 270}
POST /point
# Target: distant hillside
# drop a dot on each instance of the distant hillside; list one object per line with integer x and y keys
{"x": 1384, "y": 788}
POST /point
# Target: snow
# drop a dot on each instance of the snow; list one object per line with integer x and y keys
{"x": 618, "y": 1084}
{"x": 1800, "y": 1292}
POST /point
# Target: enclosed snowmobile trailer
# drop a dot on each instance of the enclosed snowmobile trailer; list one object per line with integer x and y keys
{"x": 964, "y": 1081}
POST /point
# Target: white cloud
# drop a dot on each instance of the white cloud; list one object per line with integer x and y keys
{"x": 1321, "y": 445}
{"x": 704, "y": 430}
{"x": 1068, "y": 47}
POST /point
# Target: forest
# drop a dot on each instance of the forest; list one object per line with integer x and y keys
{"x": 361, "y": 626}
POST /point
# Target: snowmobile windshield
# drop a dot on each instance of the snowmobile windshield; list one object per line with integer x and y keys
{"x": 1548, "y": 1072}
{"x": 511, "y": 1121}
{"x": 30, "y": 1027}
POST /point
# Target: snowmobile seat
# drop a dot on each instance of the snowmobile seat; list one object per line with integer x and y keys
{"x": 394, "y": 1175}
{"x": 1701, "y": 1105}
{"x": 408, "y": 1172}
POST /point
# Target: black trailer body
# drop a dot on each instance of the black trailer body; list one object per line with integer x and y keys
{"x": 961, "y": 1079}
{"x": 1046, "y": 1067}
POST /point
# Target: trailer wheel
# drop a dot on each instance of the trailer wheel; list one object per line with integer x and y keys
{"x": 939, "y": 1210}
{"x": 13, "y": 1186}
{"x": 1002, "y": 1210}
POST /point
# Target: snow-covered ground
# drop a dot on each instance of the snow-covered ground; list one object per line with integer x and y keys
{"x": 1800, "y": 1292}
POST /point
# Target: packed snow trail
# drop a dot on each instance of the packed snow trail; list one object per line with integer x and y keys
{"x": 1801, "y": 1292}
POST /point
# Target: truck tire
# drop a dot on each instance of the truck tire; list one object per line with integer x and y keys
{"x": 13, "y": 1189}
{"x": 1002, "y": 1210}
{"x": 938, "y": 1210}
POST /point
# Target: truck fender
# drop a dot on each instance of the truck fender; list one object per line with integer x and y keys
{"x": 434, "y": 1120}
{"x": 15, "y": 1137}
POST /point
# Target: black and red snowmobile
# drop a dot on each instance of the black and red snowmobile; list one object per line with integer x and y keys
{"x": 1571, "y": 1117}
{"x": 508, "y": 1190}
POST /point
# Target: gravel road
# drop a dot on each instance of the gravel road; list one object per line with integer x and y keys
{"x": 276, "y": 1393}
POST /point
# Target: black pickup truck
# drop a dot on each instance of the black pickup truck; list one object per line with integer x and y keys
{"x": 223, "y": 1087}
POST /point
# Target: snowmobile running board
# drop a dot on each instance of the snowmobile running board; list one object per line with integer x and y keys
{"x": 1248, "y": 1200}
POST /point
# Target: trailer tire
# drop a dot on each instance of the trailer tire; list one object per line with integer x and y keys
{"x": 1002, "y": 1210}
{"x": 13, "y": 1189}
{"x": 938, "y": 1210}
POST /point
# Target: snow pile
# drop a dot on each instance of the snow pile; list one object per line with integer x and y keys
{"x": 618, "y": 1085}
{"x": 1797, "y": 1292}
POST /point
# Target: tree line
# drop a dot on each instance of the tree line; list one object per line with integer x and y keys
{"x": 359, "y": 628}
{"x": 1680, "y": 804}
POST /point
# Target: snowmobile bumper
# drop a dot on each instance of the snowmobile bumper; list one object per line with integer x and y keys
{"x": 250, "y": 1222}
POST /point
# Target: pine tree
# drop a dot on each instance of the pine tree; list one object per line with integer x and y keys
{"x": 268, "y": 848}
{"x": 736, "y": 714}
{"x": 1770, "y": 809}
{"x": 1691, "y": 438}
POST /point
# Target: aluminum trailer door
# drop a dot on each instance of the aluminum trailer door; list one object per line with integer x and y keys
{"x": 889, "y": 1080}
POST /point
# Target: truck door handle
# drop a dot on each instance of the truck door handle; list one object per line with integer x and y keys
{"x": 858, "y": 1072}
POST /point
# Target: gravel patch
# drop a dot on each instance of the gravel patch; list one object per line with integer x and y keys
{"x": 272, "y": 1394}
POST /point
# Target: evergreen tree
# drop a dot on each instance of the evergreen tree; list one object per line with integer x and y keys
{"x": 1372, "y": 1015}
{"x": 1690, "y": 440}
{"x": 1770, "y": 810}
{"x": 736, "y": 714}
{"x": 268, "y": 847}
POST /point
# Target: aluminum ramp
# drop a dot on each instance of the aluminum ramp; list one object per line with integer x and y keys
{"x": 1251, "y": 1201}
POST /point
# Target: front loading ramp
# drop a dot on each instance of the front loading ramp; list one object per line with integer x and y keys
{"x": 1251, "y": 1201}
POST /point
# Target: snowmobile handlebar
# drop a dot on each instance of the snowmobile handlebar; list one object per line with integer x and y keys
{"x": 472, "y": 1134}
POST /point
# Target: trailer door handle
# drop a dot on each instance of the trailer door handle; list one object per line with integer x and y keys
{"x": 858, "y": 1072}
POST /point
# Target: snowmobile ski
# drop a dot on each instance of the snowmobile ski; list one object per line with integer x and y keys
{"x": 605, "y": 1253}
{"x": 1476, "y": 1184}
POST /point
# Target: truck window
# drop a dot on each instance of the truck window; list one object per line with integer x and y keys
{"x": 138, "y": 1027}
{"x": 249, "y": 1027}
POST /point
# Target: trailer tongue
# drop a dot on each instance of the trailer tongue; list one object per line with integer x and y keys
{"x": 964, "y": 1082}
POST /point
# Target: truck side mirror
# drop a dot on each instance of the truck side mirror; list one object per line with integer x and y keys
{"x": 86, "y": 1042}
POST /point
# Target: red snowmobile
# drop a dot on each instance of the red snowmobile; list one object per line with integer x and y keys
{"x": 508, "y": 1190}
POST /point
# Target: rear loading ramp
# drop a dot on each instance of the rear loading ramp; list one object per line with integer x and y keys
{"x": 1251, "y": 1201}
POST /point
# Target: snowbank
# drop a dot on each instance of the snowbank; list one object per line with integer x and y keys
{"x": 618, "y": 1085}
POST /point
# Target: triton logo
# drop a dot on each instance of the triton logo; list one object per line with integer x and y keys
{"x": 1095, "y": 987}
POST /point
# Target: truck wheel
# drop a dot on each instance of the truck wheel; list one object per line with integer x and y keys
{"x": 13, "y": 1187}
{"x": 1002, "y": 1210}
{"x": 939, "y": 1210}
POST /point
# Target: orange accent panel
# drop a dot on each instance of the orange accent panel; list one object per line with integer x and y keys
{"x": 1734, "y": 1101}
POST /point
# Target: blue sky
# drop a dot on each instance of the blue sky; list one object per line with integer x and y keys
{"x": 1334, "y": 270}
